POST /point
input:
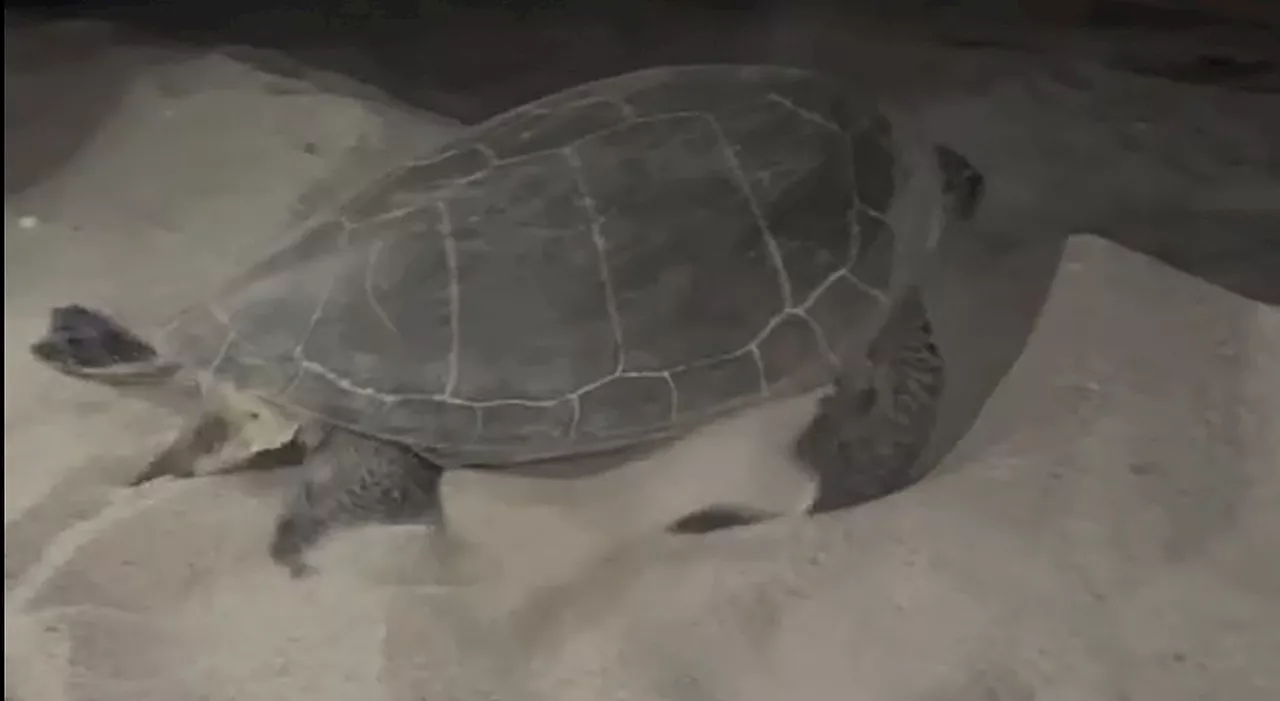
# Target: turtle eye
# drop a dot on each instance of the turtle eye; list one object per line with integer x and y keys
{"x": 81, "y": 350}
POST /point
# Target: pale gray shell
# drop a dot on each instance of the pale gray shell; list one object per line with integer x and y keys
{"x": 614, "y": 263}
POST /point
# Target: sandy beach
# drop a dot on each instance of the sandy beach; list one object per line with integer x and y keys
{"x": 1101, "y": 527}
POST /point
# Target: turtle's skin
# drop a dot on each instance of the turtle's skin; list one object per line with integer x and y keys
{"x": 612, "y": 265}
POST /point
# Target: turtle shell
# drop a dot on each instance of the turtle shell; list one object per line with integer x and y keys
{"x": 617, "y": 262}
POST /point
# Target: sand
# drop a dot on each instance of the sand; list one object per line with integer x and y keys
{"x": 1102, "y": 525}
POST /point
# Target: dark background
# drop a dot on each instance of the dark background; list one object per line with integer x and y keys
{"x": 471, "y": 59}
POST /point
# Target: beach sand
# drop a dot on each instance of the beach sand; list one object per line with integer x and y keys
{"x": 1102, "y": 526}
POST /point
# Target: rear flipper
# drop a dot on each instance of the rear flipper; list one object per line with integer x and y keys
{"x": 718, "y": 518}
{"x": 354, "y": 480}
{"x": 867, "y": 439}
{"x": 88, "y": 343}
{"x": 962, "y": 183}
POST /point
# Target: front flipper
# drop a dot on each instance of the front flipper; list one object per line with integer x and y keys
{"x": 353, "y": 480}
{"x": 234, "y": 431}
{"x": 205, "y": 435}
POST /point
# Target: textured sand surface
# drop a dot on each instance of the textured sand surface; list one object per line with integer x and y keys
{"x": 1103, "y": 525}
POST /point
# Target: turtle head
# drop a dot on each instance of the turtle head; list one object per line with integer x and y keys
{"x": 962, "y": 183}
{"x": 88, "y": 344}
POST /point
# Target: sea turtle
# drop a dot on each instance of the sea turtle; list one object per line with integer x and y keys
{"x": 606, "y": 267}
